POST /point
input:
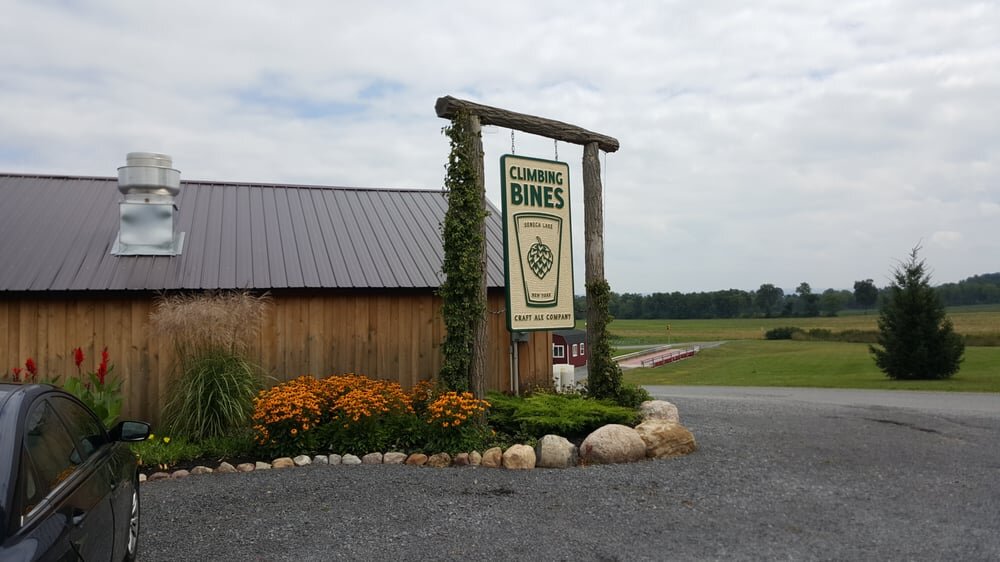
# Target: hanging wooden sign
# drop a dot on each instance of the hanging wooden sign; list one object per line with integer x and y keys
{"x": 538, "y": 245}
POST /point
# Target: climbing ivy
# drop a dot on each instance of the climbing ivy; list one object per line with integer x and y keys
{"x": 604, "y": 376}
{"x": 462, "y": 232}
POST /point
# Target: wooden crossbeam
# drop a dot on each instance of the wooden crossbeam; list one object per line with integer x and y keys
{"x": 447, "y": 107}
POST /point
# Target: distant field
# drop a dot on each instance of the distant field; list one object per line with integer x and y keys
{"x": 811, "y": 364}
{"x": 967, "y": 320}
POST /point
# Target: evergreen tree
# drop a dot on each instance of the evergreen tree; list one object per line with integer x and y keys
{"x": 916, "y": 337}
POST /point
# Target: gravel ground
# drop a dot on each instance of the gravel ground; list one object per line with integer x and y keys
{"x": 772, "y": 480}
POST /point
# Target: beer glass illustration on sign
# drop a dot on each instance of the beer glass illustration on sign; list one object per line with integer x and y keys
{"x": 539, "y": 240}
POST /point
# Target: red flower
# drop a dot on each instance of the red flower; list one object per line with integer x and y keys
{"x": 78, "y": 357}
{"x": 17, "y": 374}
{"x": 31, "y": 367}
{"x": 102, "y": 369}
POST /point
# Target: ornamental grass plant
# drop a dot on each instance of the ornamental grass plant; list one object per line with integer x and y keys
{"x": 213, "y": 395}
{"x": 214, "y": 380}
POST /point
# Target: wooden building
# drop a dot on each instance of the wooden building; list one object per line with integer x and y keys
{"x": 569, "y": 347}
{"x": 352, "y": 272}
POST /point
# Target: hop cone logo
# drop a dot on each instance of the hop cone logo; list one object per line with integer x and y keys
{"x": 540, "y": 258}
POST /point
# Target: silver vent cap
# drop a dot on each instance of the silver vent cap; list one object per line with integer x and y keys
{"x": 148, "y": 173}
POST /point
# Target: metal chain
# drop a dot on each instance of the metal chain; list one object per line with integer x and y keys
{"x": 512, "y": 142}
{"x": 555, "y": 143}
{"x": 605, "y": 187}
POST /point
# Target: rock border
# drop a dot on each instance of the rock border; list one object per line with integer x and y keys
{"x": 660, "y": 435}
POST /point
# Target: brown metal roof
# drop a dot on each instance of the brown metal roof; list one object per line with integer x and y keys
{"x": 56, "y": 234}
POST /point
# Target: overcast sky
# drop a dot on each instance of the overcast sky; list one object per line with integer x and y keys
{"x": 761, "y": 142}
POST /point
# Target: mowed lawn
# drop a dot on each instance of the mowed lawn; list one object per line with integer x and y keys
{"x": 811, "y": 364}
{"x": 970, "y": 320}
{"x": 749, "y": 360}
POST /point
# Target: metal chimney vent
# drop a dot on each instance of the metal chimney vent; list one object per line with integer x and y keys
{"x": 148, "y": 184}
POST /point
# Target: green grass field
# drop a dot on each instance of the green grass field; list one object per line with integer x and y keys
{"x": 812, "y": 364}
{"x": 971, "y": 320}
{"x": 749, "y": 360}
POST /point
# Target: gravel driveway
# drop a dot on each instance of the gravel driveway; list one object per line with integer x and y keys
{"x": 774, "y": 479}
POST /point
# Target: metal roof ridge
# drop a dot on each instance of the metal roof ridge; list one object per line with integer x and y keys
{"x": 196, "y": 182}
{"x": 55, "y": 176}
{"x": 193, "y": 183}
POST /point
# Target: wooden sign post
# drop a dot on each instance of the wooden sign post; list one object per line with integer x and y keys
{"x": 448, "y": 107}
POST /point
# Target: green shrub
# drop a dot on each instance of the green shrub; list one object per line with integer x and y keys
{"x": 453, "y": 422}
{"x": 820, "y": 334}
{"x": 781, "y": 333}
{"x": 631, "y": 396}
{"x": 856, "y": 336}
{"x": 240, "y": 444}
{"x": 566, "y": 415}
{"x": 163, "y": 451}
{"x": 212, "y": 397}
{"x": 985, "y": 340}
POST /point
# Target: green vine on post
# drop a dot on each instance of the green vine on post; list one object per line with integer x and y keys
{"x": 462, "y": 234}
{"x": 605, "y": 376}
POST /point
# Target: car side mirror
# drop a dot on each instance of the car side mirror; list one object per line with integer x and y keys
{"x": 130, "y": 431}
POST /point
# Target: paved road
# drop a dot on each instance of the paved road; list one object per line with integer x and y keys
{"x": 984, "y": 404}
{"x": 777, "y": 477}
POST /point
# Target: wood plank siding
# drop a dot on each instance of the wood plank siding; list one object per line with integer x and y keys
{"x": 387, "y": 334}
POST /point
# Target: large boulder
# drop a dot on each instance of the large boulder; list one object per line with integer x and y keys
{"x": 659, "y": 410}
{"x": 492, "y": 458}
{"x": 519, "y": 457}
{"x": 394, "y": 457}
{"x": 439, "y": 460}
{"x": 665, "y": 439}
{"x": 416, "y": 459}
{"x": 612, "y": 444}
{"x": 554, "y": 451}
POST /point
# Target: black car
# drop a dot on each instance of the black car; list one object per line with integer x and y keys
{"x": 69, "y": 489}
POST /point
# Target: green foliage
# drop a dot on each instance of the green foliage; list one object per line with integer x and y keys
{"x": 781, "y": 333}
{"x": 768, "y": 298}
{"x": 865, "y": 293}
{"x": 571, "y": 416}
{"x": 213, "y": 396}
{"x": 214, "y": 380}
{"x": 396, "y": 431}
{"x": 604, "y": 376}
{"x": 454, "y": 422}
{"x": 101, "y": 392}
{"x": 164, "y": 451}
{"x": 916, "y": 337}
{"x": 464, "y": 254}
{"x": 631, "y": 396}
{"x": 238, "y": 444}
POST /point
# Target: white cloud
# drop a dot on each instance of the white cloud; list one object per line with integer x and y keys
{"x": 763, "y": 143}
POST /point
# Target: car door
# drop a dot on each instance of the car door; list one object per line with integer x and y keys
{"x": 65, "y": 451}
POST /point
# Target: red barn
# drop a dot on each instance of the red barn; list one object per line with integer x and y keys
{"x": 569, "y": 347}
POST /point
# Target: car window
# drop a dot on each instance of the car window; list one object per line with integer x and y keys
{"x": 49, "y": 447}
{"x": 83, "y": 427}
{"x": 28, "y": 494}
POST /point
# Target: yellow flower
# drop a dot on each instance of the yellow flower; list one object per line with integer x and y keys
{"x": 166, "y": 440}
{"x": 151, "y": 437}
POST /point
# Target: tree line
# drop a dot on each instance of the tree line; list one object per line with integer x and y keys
{"x": 770, "y": 301}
